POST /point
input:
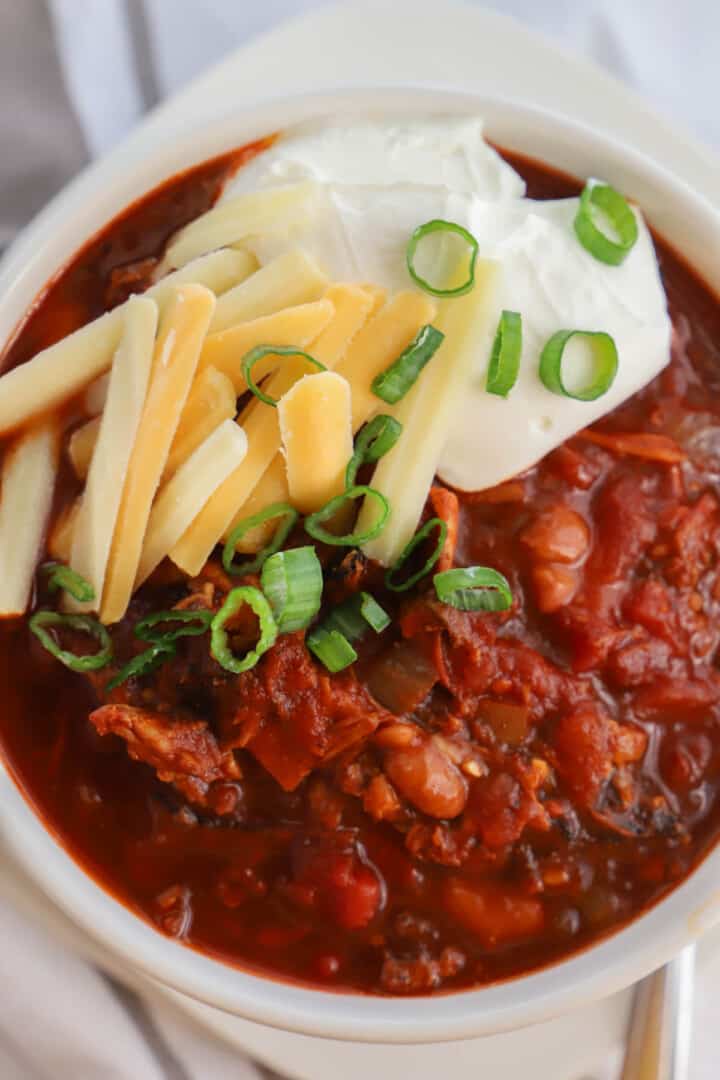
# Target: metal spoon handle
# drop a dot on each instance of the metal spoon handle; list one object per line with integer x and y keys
{"x": 661, "y": 1027}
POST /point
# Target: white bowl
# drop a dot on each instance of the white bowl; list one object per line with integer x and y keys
{"x": 693, "y": 227}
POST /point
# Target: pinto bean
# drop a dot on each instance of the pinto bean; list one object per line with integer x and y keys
{"x": 427, "y": 778}
{"x": 554, "y": 587}
{"x": 558, "y": 534}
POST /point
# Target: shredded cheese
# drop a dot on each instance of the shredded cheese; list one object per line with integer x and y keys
{"x": 379, "y": 343}
{"x": 59, "y": 542}
{"x": 350, "y": 306}
{"x": 271, "y": 210}
{"x": 315, "y": 425}
{"x": 296, "y": 326}
{"x": 182, "y": 331}
{"x": 184, "y": 496}
{"x": 291, "y": 279}
{"x": 26, "y": 491}
{"x": 116, "y": 434}
{"x": 81, "y": 446}
{"x": 62, "y": 370}
{"x": 211, "y": 400}
{"x": 404, "y": 476}
{"x": 272, "y": 488}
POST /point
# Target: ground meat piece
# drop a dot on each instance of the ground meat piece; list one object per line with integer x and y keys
{"x": 501, "y": 808}
{"x": 132, "y": 278}
{"x": 380, "y": 800}
{"x": 650, "y": 604}
{"x": 695, "y": 535}
{"x": 625, "y": 527}
{"x": 422, "y": 972}
{"x": 293, "y": 716}
{"x": 173, "y": 911}
{"x": 447, "y": 845}
{"x": 638, "y": 663}
{"x": 353, "y": 573}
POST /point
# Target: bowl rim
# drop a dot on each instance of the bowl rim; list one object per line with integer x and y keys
{"x": 612, "y": 963}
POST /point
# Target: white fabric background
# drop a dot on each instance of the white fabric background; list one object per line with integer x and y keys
{"x": 82, "y": 1028}
{"x": 666, "y": 49}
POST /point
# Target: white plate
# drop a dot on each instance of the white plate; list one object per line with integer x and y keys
{"x": 469, "y": 49}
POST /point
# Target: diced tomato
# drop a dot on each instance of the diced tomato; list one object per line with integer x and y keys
{"x": 496, "y": 913}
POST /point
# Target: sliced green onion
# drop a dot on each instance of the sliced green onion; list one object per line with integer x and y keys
{"x": 292, "y": 580}
{"x": 142, "y": 664}
{"x": 393, "y": 384}
{"x": 251, "y": 358}
{"x": 313, "y": 523}
{"x": 62, "y": 577}
{"x": 405, "y": 554}
{"x": 374, "y": 615}
{"x": 604, "y": 357}
{"x": 219, "y": 645}
{"x": 334, "y": 650}
{"x": 438, "y": 225}
{"x": 505, "y": 356}
{"x": 192, "y": 624}
{"x": 618, "y": 213}
{"x": 83, "y": 624}
{"x": 251, "y": 566}
{"x": 373, "y": 442}
{"x": 474, "y": 588}
{"x": 355, "y": 615}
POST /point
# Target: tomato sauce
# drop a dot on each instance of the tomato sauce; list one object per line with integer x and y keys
{"x": 483, "y": 794}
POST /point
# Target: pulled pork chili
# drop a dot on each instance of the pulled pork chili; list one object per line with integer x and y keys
{"x": 481, "y": 793}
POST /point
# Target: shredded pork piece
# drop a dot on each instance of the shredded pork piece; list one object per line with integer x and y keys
{"x": 183, "y": 753}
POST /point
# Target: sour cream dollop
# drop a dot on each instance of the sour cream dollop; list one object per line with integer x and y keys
{"x": 377, "y": 181}
{"x": 556, "y": 285}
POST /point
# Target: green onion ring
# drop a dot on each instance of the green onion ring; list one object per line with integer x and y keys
{"x": 392, "y": 384}
{"x": 618, "y": 212}
{"x": 420, "y": 535}
{"x": 192, "y": 624}
{"x": 82, "y": 623}
{"x": 313, "y": 523}
{"x": 505, "y": 356}
{"x": 605, "y": 359}
{"x": 62, "y": 577}
{"x": 438, "y": 225}
{"x": 473, "y": 588}
{"x": 252, "y": 566}
{"x": 331, "y": 648}
{"x": 373, "y": 442}
{"x": 252, "y": 357}
{"x": 142, "y": 664}
{"x": 292, "y": 580}
{"x": 219, "y": 645}
{"x": 353, "y": 616}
